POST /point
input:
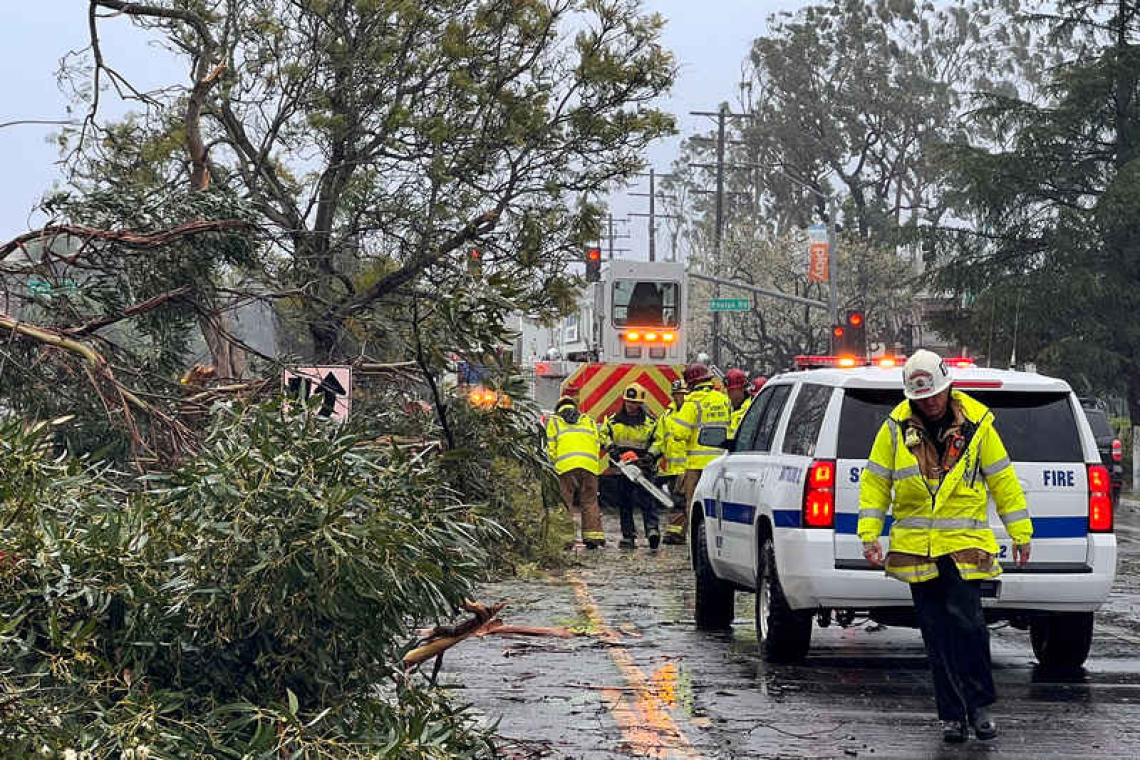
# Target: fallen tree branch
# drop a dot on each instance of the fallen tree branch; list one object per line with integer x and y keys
{"x": 127, "y": 238}
{"x": 443, "y": 638}
{"x": 497, "y": 628}
{"x": 131, "y": 311}
{"x": 106, "y": 386}
{"x": 52, "y": 338}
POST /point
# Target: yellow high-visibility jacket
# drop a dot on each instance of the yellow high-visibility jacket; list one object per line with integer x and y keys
{"x": 737, "y": 416}
{"x": 572, "y": 446}
{"x": 704, "y": 407}
{"x": 625, "y": 434}
{"x": 941, "y": 512}
{"x": 672, "y": 441}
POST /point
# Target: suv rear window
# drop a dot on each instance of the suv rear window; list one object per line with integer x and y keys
{"x": 1035, "y": 427}
{"x": 806, "y": 419}
{"x": 863, "y": 413}
{"x": 1098, "y": 421}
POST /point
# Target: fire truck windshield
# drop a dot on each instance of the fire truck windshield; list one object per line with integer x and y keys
{"x": 641, "y": 303}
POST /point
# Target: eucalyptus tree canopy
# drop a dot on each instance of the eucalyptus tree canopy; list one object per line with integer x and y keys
{"x": 379, "y": 141}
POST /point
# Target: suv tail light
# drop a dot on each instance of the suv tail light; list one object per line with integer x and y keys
{"x": 1117, "y": 450}
{"x": 1100, "y": 500}
{"x": 819, "y": 495}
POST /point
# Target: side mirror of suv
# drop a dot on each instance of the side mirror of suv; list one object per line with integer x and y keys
{"x": 715, "y": 437}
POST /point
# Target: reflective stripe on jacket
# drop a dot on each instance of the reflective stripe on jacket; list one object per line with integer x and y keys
{"x": 572, "y": 446}
{"x": 704, "y": 408}
{"x": 670, "y": 440}
{"x": 941, "y": 513}
{"x": 626, "y": 436}
{"x": 737, "y": 416}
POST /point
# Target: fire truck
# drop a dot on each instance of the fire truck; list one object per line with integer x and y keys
{"x": 635, "y": 332}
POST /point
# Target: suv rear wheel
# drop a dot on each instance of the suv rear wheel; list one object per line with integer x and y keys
{"x": 1062, "y": 639}
{"x": 784, "y": 633}
{"x": 715, "y": 602}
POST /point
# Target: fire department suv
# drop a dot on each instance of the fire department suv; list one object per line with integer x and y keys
{"x": 806, "y": 438}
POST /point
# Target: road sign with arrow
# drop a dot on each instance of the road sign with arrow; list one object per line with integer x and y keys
{"x": 332, "y": 384}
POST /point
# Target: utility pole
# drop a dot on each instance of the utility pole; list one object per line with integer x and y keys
{"x": 832, "y": 275}
{"x": 722, "y": 116}
{"x": 612, "y": 236}
{"x": 653, "y": 215}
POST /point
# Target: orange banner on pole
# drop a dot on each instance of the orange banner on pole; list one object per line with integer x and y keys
{"x": 818, "y": 270}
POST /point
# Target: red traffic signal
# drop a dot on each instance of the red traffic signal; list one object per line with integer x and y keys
{"x": 838, "y": 340}
{"x": 474, "y": 262}
{"x": 856, "y": 333}
{"x": 593, "y": 264}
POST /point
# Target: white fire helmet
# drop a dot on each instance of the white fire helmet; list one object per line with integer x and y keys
{"x": 925, "y": 375}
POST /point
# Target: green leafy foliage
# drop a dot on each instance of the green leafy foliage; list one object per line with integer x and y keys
{"x": 1049, "y": 268}
{"x": 378, "y": 141}
{"x": 254, "y": 600}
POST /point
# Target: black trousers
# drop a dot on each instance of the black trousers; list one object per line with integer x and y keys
{"x": 957, "y": 640}
{"x": 632, "y": 496}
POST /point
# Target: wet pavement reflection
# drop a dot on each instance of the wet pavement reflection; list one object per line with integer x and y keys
{"x": 641, "y": 681}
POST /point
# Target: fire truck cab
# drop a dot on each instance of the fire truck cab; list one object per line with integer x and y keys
{"x": 639, "y": 313}
{"x": 633, "y": 330}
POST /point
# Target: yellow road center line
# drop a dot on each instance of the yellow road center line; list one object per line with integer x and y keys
{"x": 640, "y": 711}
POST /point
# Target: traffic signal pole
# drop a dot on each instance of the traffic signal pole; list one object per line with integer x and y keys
{"x": 832, "y": 274}
{"x": 721, "y": 116}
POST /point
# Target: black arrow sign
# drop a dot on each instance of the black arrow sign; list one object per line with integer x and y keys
{"x": 330, "y": 387}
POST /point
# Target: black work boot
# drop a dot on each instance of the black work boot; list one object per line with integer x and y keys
{"x": 955, "y": 731}
{"x": 674, "y": 539}
{"x": 595, "y": 544}
{"x": 983, "y": 722}
{"x": 654, "y": 541}
{"x": 627, "y": 543}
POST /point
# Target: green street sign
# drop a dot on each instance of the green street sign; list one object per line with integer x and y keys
{"x": 730, "y": 304}
{"x": 39, "y": 287}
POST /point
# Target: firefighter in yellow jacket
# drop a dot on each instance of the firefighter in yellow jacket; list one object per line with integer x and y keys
{"x": 627, "y": 435}
{"x": 573, "y": 446}
{"x": 705, "y": 407}
{"x": 736, "y": 388}
{"x": 934, "y": 463}
{"x": 670, "y": 441}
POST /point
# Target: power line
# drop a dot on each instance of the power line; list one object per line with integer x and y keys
{"x": 653, "y": 215}
{"x": 722, "y": 116}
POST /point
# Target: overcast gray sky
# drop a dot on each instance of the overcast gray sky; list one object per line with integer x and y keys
{"x": 709, "y": 39}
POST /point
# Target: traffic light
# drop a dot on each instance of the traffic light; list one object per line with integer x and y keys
{"x": 856, "y": 333}
{"x": 838, "y": 340}
{"x": 593, "y": 264}
{"x": 475, "y": 262}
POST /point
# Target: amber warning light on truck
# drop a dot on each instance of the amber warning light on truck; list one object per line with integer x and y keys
{"x": 649, "y": 336}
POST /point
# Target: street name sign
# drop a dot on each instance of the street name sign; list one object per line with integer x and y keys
{"x": 730, "y": 304}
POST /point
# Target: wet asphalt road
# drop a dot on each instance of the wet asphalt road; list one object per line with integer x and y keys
{"x": 640, "y": 681}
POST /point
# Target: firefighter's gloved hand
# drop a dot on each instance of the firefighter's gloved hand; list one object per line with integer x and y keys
{"x": 629, "y": 456}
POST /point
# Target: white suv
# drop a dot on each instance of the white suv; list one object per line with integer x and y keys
{"x": 750, "y": 531}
